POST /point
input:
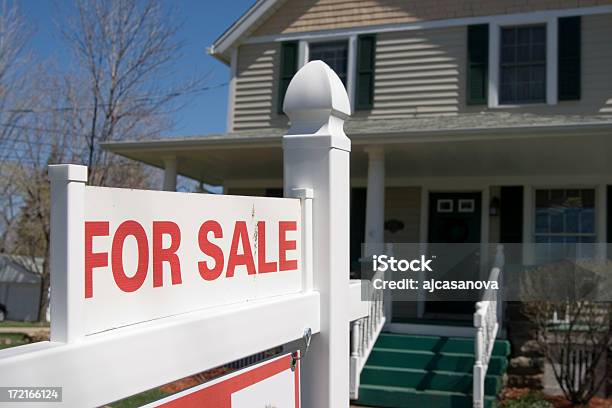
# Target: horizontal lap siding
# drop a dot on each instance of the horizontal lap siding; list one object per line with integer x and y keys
{"x": 596, "y": 95}
{"x": 256, "y": 87}
{"x": 403, "y": 204}
{"x": 312, "y": 15}
{"x": 417, "y": 73}
{"x": 421, "y": 73}
{"x": 597, "y": 64}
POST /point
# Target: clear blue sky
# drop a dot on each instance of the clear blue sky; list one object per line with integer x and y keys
{"x": 203, "y": 21}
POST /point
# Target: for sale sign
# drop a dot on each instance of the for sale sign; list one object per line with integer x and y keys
{"x": 151, "y": 254}
{"x": 271, "y": 384}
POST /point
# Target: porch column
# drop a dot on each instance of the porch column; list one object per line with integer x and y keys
{"x": 375, "y": 201}
{"x": 170, "y": 166}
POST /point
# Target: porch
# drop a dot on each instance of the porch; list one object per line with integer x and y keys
{"x": 398, "y": 167}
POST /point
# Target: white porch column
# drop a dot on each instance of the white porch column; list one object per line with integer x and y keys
{"x": 375, "y": 202}
{"x": 170, "y": 173}
{"x": 316, "y": 156}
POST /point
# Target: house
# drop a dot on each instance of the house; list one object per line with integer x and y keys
{"x": 19, "y": 287}
{"x": 492, "y": 115}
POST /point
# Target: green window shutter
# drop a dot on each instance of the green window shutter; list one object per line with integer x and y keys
{"x": 569, "y": 64}
{"x": 288, "y": 68}
{"x": 364, "y": 87}
{"x": 478, "y": 64}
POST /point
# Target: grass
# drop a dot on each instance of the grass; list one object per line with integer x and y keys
{"x": 141, "y": 399}
{"x": 13, "y": 323}
{"x": 12, "y": 340}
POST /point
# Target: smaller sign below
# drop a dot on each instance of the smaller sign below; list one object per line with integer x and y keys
{"x": 271, "y": 384}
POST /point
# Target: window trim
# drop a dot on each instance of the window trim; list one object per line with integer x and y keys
{"x": 351, "y": 66}
{"x": 495, "y": 28}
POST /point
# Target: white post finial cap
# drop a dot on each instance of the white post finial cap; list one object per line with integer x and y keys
{"x": 314, "y": 95}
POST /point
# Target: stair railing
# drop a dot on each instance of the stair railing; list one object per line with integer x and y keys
{"x": 364, "y": 333}
{"x": 487, "y": 321}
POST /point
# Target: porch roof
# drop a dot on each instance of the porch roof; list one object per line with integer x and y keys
{"x": 498, "y": 144}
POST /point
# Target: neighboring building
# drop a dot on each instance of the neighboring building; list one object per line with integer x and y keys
{"x": 19, "y": 289}
{"x": 493, "y": 114}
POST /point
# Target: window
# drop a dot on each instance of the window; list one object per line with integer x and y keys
{"x": 334, "y": 54}
{"x": 288, "y": 68}
{"x": 564, "y": 216}
{"x": 523, "y": 64}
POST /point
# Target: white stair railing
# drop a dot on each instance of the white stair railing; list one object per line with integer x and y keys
{"x": 487, "y": 321}
{"x": 364, "y": 333}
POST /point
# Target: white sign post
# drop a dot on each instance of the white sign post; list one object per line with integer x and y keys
{"x": 149, "y": 287}
{"x": 316, "y": 156}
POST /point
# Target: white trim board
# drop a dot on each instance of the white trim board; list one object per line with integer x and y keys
{"x": 501, "y": 19}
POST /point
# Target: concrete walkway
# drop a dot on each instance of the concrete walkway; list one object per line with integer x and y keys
{"x": 24, "y": 330}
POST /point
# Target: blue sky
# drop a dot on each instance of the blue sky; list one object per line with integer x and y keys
{"x": 203, "y": 21}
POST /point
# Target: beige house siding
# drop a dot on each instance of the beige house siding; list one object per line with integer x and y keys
{"x": 418, "y": 73}
{"x": 255, "y": 101}
{"x": 422, "y": 73}
{"x": 403, "y": 204}
{"x": 313, "y": 15}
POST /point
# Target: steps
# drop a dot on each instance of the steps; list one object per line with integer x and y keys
{"x": 405, "y": 371}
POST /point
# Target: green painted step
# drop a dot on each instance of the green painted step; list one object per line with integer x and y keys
{"x": 462, "y": 345}
{"x": 425, "y": 380}
{"x": 405, "y": 371}
{"x": 400, "y": 397}
{"x": 428, "y": 360}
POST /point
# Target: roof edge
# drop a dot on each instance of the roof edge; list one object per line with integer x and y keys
{"x": 220, "y": 47}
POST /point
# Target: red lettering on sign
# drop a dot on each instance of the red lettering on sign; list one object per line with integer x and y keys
{"x": 285, "y": 245}
{"x": 211, "y": 250}
{"x": 97, "y": 259}
{"x": 124, "y": 282}
{"x": 161, "y": 255}
{"x": 262, "y": 265}
{"x": 240, "y": 237}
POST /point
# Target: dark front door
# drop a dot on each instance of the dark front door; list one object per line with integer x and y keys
{"x": 455, "y": 218}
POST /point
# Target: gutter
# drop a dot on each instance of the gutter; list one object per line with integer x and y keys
{"x": 366, "y": 138}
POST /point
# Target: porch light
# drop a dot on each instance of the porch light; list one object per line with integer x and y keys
{"x": 494, "y": 206}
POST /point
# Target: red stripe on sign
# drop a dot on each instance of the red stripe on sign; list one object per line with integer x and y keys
{"x": 220, "y": 395}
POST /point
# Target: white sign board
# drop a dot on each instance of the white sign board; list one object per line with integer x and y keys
{"x": 271, "y": 384}
{"x": 151, "y": 254}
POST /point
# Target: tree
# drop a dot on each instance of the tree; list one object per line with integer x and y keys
{"x": 118, "y": 88}
{"x": 125, "y": 50}
{"x": 15, "y": 99}
{"x": 569, "y": 305}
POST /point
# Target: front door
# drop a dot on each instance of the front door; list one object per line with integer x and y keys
{"x": 455, "y": 218}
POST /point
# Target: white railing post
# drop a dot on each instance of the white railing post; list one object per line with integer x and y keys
{"x": 356, "y": 331}
{"x": 316, "y": 156}
{"x": 67, "y": 251}
{"x": 479, "y": 369}
{"x": 488, "y": 319}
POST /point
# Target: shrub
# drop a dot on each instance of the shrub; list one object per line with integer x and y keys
{"x": 531, "y": 400}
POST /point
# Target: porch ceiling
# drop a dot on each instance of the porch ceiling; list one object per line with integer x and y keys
{"x": 543, "y": 150}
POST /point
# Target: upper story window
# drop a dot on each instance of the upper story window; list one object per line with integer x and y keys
{"x": 510, "y": 63}
{"x": 334, "y": 54}
{"x": 523, "y": 64}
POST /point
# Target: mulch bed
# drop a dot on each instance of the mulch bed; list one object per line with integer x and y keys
{"x": 557, "y": 400}
{"x": 194, "y": 380}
